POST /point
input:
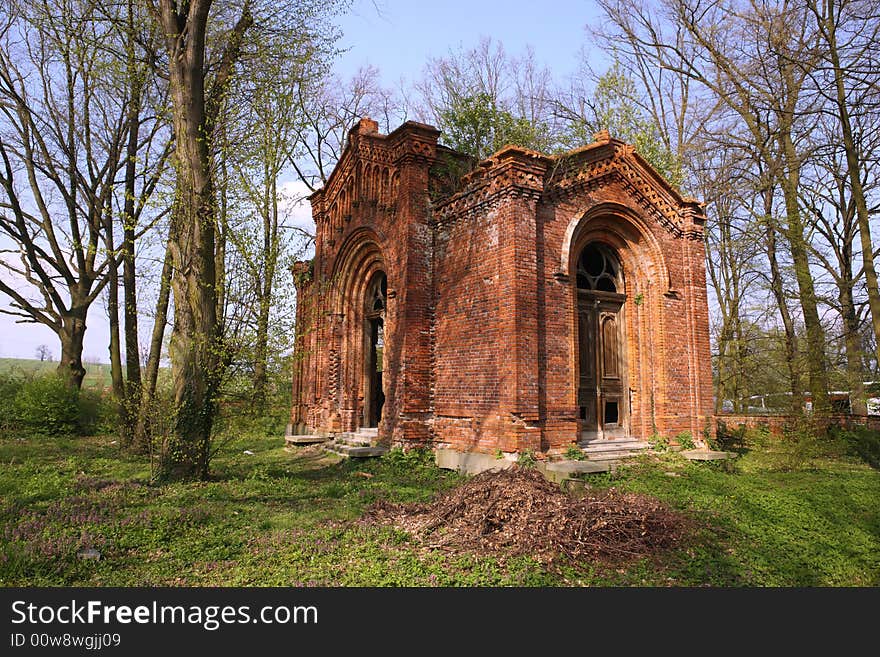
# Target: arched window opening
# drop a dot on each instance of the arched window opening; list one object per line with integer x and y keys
{"x": 598, "y": 270}
{"x": 374, "y": 330}
{"x": 377, "y": 293}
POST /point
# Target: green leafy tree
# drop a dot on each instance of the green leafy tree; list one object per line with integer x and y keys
{"x": 477, "y": 126}
{"x": 613, "y": 106}
{"x": 483, "y": 98}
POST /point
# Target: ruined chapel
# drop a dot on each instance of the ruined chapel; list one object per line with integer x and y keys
{"x": 534, "y": 303}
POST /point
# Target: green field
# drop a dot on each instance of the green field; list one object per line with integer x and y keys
{"x": 291, "y": 519}
{"x": 97, "y": 374}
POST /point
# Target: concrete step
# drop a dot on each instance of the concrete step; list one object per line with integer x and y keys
{"x": 361, "y": 438}
{"x": 566, "y": 471}
{"x": 357, "y": 452}
{"x": 611, "y": 456}
{"x": 305, "y": 439}
{"x": 614, "y": 445}
{"x": 707, "y": 455}
{"x": 575, "y": 467}
{"x": 353, "y": 441}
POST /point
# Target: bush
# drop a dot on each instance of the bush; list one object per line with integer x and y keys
{"x": 9, "y": 387}
{"x": 730, "y": 440}
{"x": 98, "y": 413}
{"x": 658, "y": 443}
{"x": 407, "y": 460}
{"x": 861, "y": 442}
{"x": 45, "y": 404}
{"x": 685, "y": 440}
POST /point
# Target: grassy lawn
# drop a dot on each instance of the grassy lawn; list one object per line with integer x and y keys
{"x": 278, "y": 518}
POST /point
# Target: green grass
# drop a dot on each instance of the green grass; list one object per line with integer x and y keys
{"x": 278, "y": 518}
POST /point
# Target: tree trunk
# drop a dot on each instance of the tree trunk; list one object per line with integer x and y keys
{"x": 113, "y": 314}
{"x": 829, "y": 28}
{"x": 261, "y": 376}
{"x": 129, "y": 281}
{"x": 72, "y": 333}
{"x": 270, "y": 249}
{"x": 194, "y": 344}
{"x": 196, "y": 349}
{"x": 853, "y": 345}
{"x": 143, "y": 432}
{"x": 790, "y": 340}
{"x": 818, "y": 375}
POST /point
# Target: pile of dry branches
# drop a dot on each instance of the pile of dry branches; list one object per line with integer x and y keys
{"x": 517, "y": 511}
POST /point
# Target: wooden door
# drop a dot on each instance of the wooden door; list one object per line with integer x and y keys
{"x": 602, "y": 388}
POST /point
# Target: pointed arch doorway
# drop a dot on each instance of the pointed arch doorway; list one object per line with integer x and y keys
{"x": 603, "y": 399}
{"x": 374, "y": 347}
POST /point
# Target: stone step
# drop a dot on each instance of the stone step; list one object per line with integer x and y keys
{"x": 305, "y": 439}
{"x": 357, "y": 452}
{"x": 706, "y": 455}
{"x": 362, "y": 437}
{"x": 614, "y": 446}
{"x": 353, "y": 441}
{"x": 611, "y": 456}
{"x": 575, "y": 467}
{"x": 565, "y": 471}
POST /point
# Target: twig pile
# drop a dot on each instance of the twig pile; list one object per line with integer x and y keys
{"x": 517, "y": 511}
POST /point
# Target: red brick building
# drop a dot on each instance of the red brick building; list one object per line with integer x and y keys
{"x": 534, "y": 303}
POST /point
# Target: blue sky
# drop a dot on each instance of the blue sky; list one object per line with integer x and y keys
{"x": 397, "y": 37}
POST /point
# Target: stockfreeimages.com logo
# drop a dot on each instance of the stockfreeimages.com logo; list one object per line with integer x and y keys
{"x": 210, "y": 617}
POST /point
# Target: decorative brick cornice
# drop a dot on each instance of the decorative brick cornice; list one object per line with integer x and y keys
{"x": 413, "y": 143}
{"x": 611, "y": 162}
{"x": 511, "y": 173}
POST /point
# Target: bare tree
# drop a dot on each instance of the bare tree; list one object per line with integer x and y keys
{"x": 828, "y": 195}
{"x": 327, "y": 108}
{"x": 754, "y": 58}
{"x": 253, "y": 209}
{"x": 849, "y": 31}
{"x": 483, "y": 98}
{"x": 61, "y": 142}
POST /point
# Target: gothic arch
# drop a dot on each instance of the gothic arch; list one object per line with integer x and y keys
{"x": 358, "y": 264}
{"x": 644, "y": 277}
{"x": 622, "y": 230}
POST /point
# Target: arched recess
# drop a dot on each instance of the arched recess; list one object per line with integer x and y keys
{"x": 617, "y": 274}
{"x": 375, "y": 303}
{"x": 623, "y": 230}
{"x": 360, "y": 271}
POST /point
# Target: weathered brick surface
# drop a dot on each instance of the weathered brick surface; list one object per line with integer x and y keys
{"x": 481, "y": 327}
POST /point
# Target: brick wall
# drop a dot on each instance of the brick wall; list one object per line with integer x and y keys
{"x": 776, "y": 424}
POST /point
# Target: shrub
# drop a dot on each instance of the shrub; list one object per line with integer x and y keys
{"x": 859, "y": 441}
{"x": 526, "y": 459}
{"x": 408, "y": 460}
{"x": 658, "y": 443}
{"x": 685, "y": 440}
{"x": 730, "y": 440}
{"x": 45, "y": 404}
{"x": 98, "y": 413}
{"x": 9, "y": 387}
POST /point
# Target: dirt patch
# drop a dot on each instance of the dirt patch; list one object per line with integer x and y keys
{"x": 518, "y": 512}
